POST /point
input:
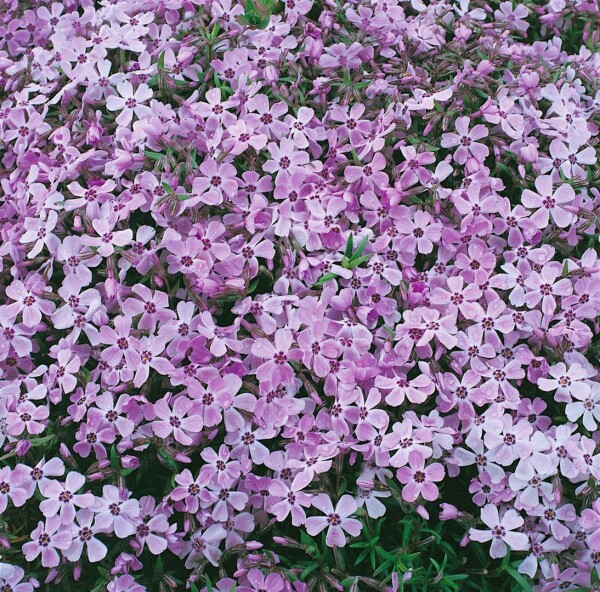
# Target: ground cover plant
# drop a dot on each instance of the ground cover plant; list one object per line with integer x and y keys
{"x": 299, "y": 296}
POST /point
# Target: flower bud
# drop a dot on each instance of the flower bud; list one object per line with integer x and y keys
{"x": 449, "y": 512}
{"x": 130, "y": 462}
{"x": 22, "y": 447}
{"x": 271, "y": 74}
{"x": 110, "y": 285}
{"x": 94, "y": 133}
{"x": 253, "y": 545}
{"x": 326, "y": 20}
{"x": 421, "y": 511}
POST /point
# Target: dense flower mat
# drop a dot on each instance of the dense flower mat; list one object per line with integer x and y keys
{"x": 299, "y": 296}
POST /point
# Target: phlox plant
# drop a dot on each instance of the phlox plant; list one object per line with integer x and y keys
{"x": 299, "y": 296}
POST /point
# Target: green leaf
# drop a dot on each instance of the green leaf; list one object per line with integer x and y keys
{"x": 170, "y": 462}
{"x": 325, "y": 278}
{"x": 356, "y": 262}
{"x": 360, "y": 249}
{"x": 153, "y": 155}
{"x": 215, "y": 31}
{"x": 168, "y": 188}
{"x": 114, "y": 458}
{"x": 209, "y": 587}
{"x": 349, "y": 246}
{"x": 308, "y": 570}
{"x": 513, "y": 573}
{"x": 161, "y": 62}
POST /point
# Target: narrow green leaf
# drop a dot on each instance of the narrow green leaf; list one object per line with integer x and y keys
{"x": 308, "y": 570}
{"x": 349, "y": 246}
{"x": 153, "y": 155}
{"x": 361, "y": 248}
{"x": 356, "y": 262}
{"x": 513, "y": 573}
{"x": 325, "y": 278}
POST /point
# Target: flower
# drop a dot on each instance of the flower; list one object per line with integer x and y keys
{"x": 11, "y": 488}
{"x": 466, "y": 140}
{"x": 336, "y": 520}
{"x": 116, "y": 512}
{"x": 46, "y": 539}
{"x": 500, "y": 531}
{"x": 63, "y": 499}
{"x": 130, "y": 102}
{"x": 83, "y": 533}
{"x": 178, "y": 420}
{"x": 547, "y": 201}
{"x": 419, "y": 479}
{"x": 259, "y": 582}
{"x": 278, "y": 355}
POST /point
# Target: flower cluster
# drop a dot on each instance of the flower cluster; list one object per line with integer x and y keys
{"x": 271, "y": 268}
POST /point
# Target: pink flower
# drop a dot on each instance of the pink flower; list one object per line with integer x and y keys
{"x": 547, "y": 201}
{"x": 242, "y": 136}
{"x": 125, "y": 583}
{"x": 368, "y": 176}
{"x": 63, "y": 499}
{"x": 572, "y": 157}
{"x": 150, "y": 350}
{"x": 567, "y": 383}
{"x": 421, "y": 232}
{"x": 419, "y": 479}
{"x": 285, "y": 159}
{"x": 341, "y": 55}
{"x": 121, "y": 344}
{"x": 46, "y": 539}
{"x": 27, "y": 417}
{"x": 412, "y": 168}
{"x": 27, "y": 302}
{"x": 77, "y": 303}
{"x": 465, "y": 139}
{"x": 273, "y": 582}
{"x": 512, "y": 15}
{"x": 180, "y": 420}
{"x": 590, "y": 521}
{"x": 587, "y": 407}
{"x": 218, "y": 467}
{"x": 130, "y": 102}
{"x": 336, "y": 521}
{"x": 222, "y": 501}
{"x": 84, "y": 537}
{"x": 188, "y": 490}
{"x": 544, "y": 286}
{"x": 107, "y": 238}
{"x": 116, "y": 512}
{"x": 205, "y": 544}
{"x": 39, "y": 475}
{"x": 152, "y": 534}
{"x": 11, "y": 579}
{"x": 154, "y": 307}
{"x": 218, "y": 181}
{"x": 500, "y": 531}
{"x": 289, "y": 500}
{"x": 416, "y": 390}
{"x": 318, "y": 351}
{"x": 278, "y": 355}
{"x": 11, "y": 487}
